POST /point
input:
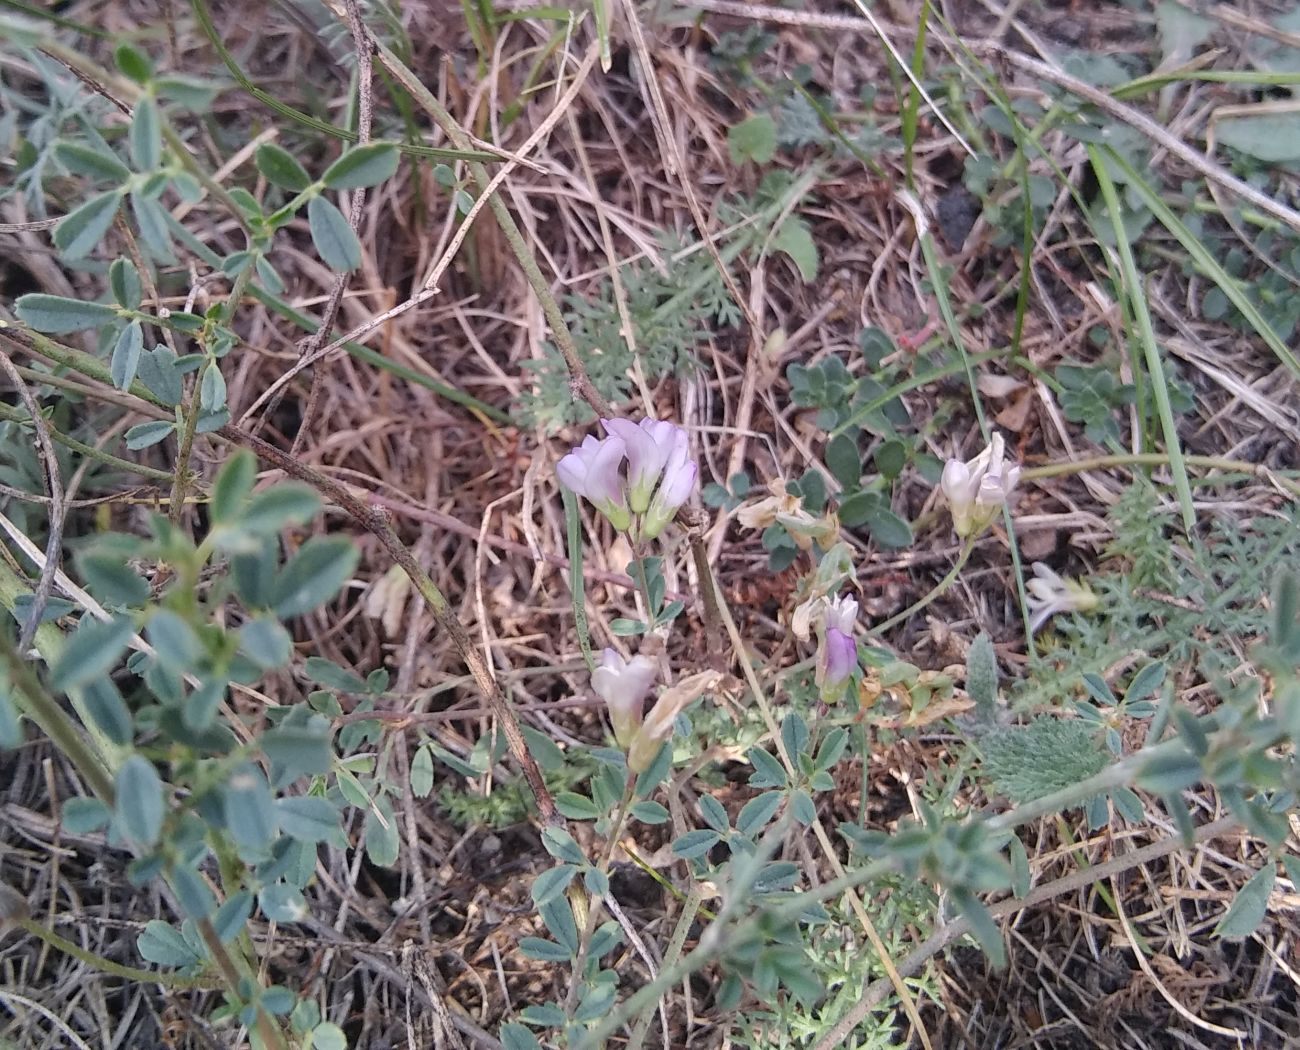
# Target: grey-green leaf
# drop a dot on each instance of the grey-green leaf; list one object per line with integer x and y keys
{"x": 57, "y": 315}
{"x": 84, "y": 815}
{"x": 96, "y": 164}
{"x": 126, "y": 355}
{"x": 250, "y": 811}
{"x": 281, "y": 168}
{"x": 163, "y": 945}
{"x": 80, "y": 231}
{"x": 308, "y": 818}
{"x": 282, "y": 903}
{"x": 212, "y": 389}
{"x": 266, "y": 643}
{"x": 362, "y": 166}
{"x": 337, "y": 245}
{"x": 314, "y": 575}
{"x": 93, "y": 649}
{"x": 843, "y": 460}
{"x": 124, "y": 280}
{"x": 140, "y": 805}
{"x": 1250, "y": 905}
{"x": 142, "y": 435}
{"x": 146, "y": 135}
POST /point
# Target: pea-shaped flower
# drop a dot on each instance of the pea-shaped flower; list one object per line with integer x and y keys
{"x": 1050, "y": 594}
{"x": 593, "y": 470}
{"x": 660, "y": 474}
{"x": 976, "y": 491}
{"x": 623, "y": 685}
{"x": 838, "y": 658}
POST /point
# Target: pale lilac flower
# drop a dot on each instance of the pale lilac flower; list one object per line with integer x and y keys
{"x": 839, "y": 652}
{"x": 592, "y": 470}
{"x": 660, "y": 474}
{"x": 623, "y": 685}
{"x": 658, "y": 724}
{"x": 679, "y": 477}
{"x": 977, "y": 490}
{"x": 1050, "y": 594}
{"x": 649, "y": 444}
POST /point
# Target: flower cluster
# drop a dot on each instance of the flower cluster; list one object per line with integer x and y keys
{"x": 659, "y": 479}
{"x": 977, "y": 491}
{"x": 624, "y": 685}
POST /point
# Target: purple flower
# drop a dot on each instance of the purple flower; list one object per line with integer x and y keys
{"x": 623, "y": 685}
{"x": 839, "y": 652}
{"x": 660, "y": 474}
{"x": 649, "y": 444}
{"x": 593, "y": 470}
{"x": 977, "y": 490}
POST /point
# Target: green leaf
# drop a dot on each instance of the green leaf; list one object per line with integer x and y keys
{"x": 422, "y": 772}
{"x": 281, "y": 168}
{"x": 93, "y": 649}
{"x": 328, "y": 1036}
{"x": 888, "y": 529}
{"x": 552, "y": 882}
{"x": 982, "y": 925}
{"x": 890, "y": 458}
{"x": 151, "y": 218}
{"x": 1171, "y": 773}
{"x": 649, "y": 812}
{"x": 715, "y": 814}
{"x": 754, "y": 138}
{"x": 362, "y": 166}
{"x": 177, "y": 644}
{"x": 695, "y": 843}
{"x": 193, "y": 93}
{"x": 756, "y": 813}
{"x": 337, "y": 245}
{"x": 1271, "y": 137}
{"x": 249, "y": 808}
{"x": 57, "y": 315}
{"x": 159, "y": 373}
{"x": 80, "y": 231}
{"x": 133, "y": 63}
{"x": 843, "y": 461}
{"x": 139, "y": 807}
{"x": 275, "y": 508}
{"x": 196, "y": 898}
{"x": 124, "y": 280}
{"x": 266, "y": 643}
{"x": 126, "y": 355}
{"x": 1031, "y": 761}
{"x": 81, "y": 816}
{"x": 516, "y": 1036}
{"x": 314, "y": 575}
{"x": 163, "y": 945}
{"x": 233, "y": 484}
{"x": 548, "y": 754}
{"x": 1146, "y": 681}
{"x": 796, "y": 240}
{"x": 577, "y": 807}
{"x": 146, "y": 136}
{"x": 142, "y": 435}
{"x": 281, "y": 902}
{"x": 857, "y": 507}
{"x": 768, "y": 772}
{"x": 93, "y": 163}
{"x": 982, "y": 677}
{"x": 212, "y": 389}
{"x": 104, "y": 704}
{"x": 382, "y": 840}
{"x": 300, "y": 749}
{"x": 111, "y": 580}
{"x": 1250, "y": 905}
{"x": 231, "y": 916}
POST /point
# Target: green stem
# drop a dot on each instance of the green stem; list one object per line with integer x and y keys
{"x": 674, "y": 951}
{"x": 116, "y": 969}
{"x": 42, "y": 708}
{"x": 1158, "y": 459}
{"x": 934, "y": 593}
{"x": 12, "y": 415}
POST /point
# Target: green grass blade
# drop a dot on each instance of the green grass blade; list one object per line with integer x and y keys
{"x": 1146, "y": 333}
{"x": 1206, "y": 262}
{"x": 577, "y": 589}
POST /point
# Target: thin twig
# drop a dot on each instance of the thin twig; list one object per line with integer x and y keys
{"x": 365, "y": 110}
{"x": 54, "y": 485}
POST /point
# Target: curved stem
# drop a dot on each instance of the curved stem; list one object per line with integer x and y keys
{"x": 116, "y": 969}
{"x": 1158, "y": 459}
{"x": 937, "y": 590}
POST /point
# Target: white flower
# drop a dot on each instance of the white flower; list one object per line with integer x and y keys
{"x": 977, "y": 490}
{"x": 1050, "y": 594}
{"x": 658, "y": 725}
{"x": 623, "y": 685}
